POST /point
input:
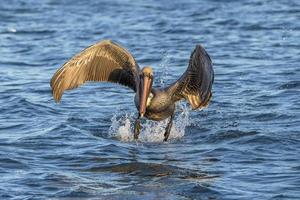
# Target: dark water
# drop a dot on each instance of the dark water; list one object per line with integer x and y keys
{"x": 245, "y": 145}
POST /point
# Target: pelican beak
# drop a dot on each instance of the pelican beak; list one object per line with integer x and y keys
{"x": 145, "y": 88}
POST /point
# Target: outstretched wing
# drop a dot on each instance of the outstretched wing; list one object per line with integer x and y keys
{"x": 103, "y": 61}
{"x": 196, "y": 83}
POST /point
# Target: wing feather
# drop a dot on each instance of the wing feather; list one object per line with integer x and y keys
{"x": 103, "y": 61}
{"x": 196, "y": 83}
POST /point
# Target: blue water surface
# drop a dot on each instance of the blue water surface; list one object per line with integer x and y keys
{"x": 245, "y": 145}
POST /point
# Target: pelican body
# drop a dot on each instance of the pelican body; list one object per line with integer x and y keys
{"x": 159, "y": 105}
{"x": 110, "y": 62}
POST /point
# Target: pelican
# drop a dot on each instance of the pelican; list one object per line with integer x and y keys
{"x": 110, "y": 62}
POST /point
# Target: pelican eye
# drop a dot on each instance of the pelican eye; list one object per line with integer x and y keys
{"x": 149, "y": 76}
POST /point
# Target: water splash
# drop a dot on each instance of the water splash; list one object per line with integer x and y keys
{"x": 122, "y": 127}
{"x": 164, "y": 67}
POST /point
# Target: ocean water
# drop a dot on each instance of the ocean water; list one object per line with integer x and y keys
{"x": 245, "y": 145}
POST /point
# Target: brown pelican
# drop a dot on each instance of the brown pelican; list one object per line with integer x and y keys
{"x": 108, "y": 61}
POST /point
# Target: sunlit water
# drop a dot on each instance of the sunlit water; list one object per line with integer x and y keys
{"x": 245, "y": 145}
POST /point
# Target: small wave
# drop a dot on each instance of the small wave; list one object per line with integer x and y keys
{"x": 261, "y": 139}
{"x": 11, "y": 126}
{"x": 10, "y": 163}
{"x": 290, "y": 85}
{"x": 227, "y": 22}
{"x": 230, "y": 135}
{"x": 151, "y": 131}
{"x": 153, "y": 169}
{"x": 254, "y": 27}
{"x": 27, "y": 107}
{"x": 29, "y": 32}
{"x": 20, "y": 63}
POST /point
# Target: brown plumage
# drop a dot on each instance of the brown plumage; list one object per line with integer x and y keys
{"x": 196, "y": 82}
{"x": 104, "y": 61}
{"x": 108, "y": 61}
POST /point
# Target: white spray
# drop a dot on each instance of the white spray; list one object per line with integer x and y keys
{"x": 122, "y": 127}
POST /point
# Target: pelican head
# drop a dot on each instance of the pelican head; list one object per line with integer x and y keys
{"x": 146, "y": 80}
